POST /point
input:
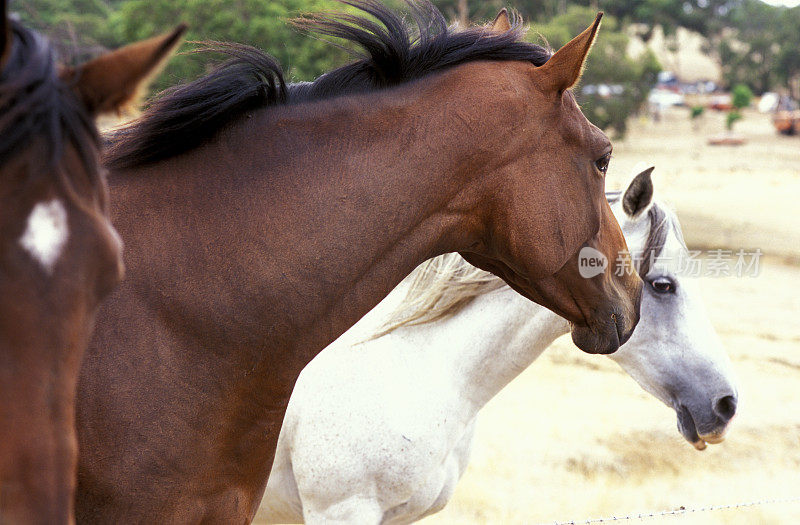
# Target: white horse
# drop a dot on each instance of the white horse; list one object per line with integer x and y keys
{"x": 379, "y": 429}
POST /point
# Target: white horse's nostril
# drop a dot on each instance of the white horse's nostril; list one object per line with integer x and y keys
{"x": 725, "y": 408}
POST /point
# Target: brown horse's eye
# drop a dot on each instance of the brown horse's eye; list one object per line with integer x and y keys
{"x": 603, "y": 162}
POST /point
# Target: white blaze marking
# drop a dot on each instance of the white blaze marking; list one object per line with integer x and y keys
{"x": 46, "y": 233}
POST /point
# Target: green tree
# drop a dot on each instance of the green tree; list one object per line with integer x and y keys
{"x": 262, "y": 24}
{"x": 755, "y": 43}
{"x": 749, "y": 53}
{"x": 78, "y": 28}
{"x": 788, "y": 59}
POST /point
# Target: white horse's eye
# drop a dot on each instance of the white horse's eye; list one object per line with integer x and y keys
{"x": 663, "y": 285}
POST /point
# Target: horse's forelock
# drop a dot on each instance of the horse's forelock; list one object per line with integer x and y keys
{"x": 661, "y": 222}
{"x": 35, "y": 102}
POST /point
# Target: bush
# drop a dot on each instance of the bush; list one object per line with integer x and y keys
{"x": 733, "y": 117}
{"x": 741, "y": 96}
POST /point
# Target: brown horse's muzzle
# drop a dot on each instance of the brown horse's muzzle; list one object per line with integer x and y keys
{"x": 605, "y": 288}
{"x": 615, "y": 312}
{"x": 602, "y": 310}
{"x": 612, "y": 325}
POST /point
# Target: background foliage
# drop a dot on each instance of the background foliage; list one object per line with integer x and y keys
{"x": 608, "y": 64}
{"x": 756, "y": 44}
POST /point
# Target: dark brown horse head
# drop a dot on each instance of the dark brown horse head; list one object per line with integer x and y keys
{"x": 59, "y": 254}
{"x": 554, "y": 238}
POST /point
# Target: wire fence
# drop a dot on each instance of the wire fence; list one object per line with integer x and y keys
{"x": 679, "y": 511}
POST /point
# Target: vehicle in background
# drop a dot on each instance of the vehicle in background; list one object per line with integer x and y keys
{"x": 603, "y": 90}
{"x": 721, "y": 102}
{"x": 786, "y": 118}
{"x": 664, "y": 98}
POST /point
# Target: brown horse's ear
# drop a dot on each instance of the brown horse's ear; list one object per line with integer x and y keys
{"x": 5, "y": 34}
{"x": 115, "y": 81}
{"x": 501, "y": 22}
{"x": 564, "y": 68}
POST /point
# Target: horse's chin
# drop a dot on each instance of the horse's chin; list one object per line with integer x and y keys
{"x": 710, "y": 439}
{"x": 688, "y": 430}
{"x": 606, "y": 341}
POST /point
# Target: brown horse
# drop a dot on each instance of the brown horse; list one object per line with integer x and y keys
{"x": 262, "y": 220}
{"x": 59, "y": 255}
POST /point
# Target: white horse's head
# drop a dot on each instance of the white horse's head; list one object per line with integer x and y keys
{"x": 674, "y": 353}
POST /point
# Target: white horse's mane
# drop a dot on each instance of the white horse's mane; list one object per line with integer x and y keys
{"x": 439, "y": 288}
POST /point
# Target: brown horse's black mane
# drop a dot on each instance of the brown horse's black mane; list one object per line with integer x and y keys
{"x": 35, "y": 102}
{"x": 392, "y": 53}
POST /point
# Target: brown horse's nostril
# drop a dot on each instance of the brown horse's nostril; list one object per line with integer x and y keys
{"x": 725, "y": 408}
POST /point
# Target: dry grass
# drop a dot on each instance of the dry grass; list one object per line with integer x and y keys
{"x": 574, "y": 438}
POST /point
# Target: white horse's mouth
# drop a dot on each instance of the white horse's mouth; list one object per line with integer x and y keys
{"x": 688, "y": 429}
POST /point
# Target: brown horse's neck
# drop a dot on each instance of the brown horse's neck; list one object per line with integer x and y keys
{"x": 263, "y": 221}
{"x": 259, "y": 248}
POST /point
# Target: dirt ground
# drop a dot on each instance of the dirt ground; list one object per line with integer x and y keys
{"x": 726, "y": 196}
{"x": 575, "y": 438}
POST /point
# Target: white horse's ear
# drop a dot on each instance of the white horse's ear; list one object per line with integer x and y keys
{"x": 639, "y": 194}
